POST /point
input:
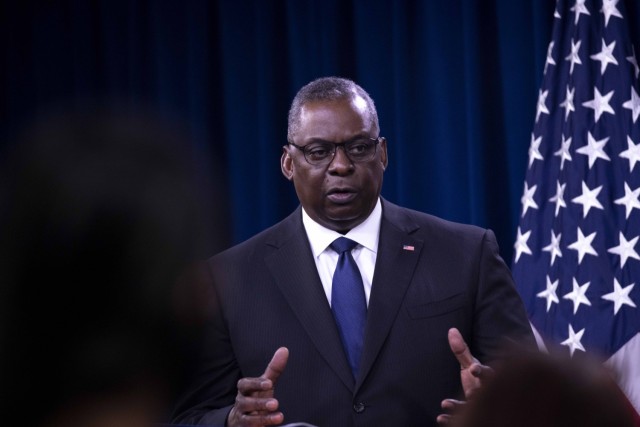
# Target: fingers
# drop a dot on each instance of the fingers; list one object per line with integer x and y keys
{"x": 255, "y": 404}
{"x": 474, "y": 378}
{"x": 277, "y": 364}
{"x": 444, "y": 419}
{"x": 267, "y": 380}
{"x": 246, "y": 404}
{"x": 248, "y": 386}
{"x": 460, "y": 349}
{"x": 472, "y": 373}
{"x": 482, "y": 372}
{"x": 452, "y": 406}
{"x": 254, "y": 410}
{"x": 237, "y": 418}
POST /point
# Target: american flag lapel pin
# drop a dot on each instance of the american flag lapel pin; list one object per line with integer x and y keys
{"x": 408, "y": 248}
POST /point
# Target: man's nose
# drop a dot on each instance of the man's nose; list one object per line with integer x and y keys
{"x": 341, "y": 163}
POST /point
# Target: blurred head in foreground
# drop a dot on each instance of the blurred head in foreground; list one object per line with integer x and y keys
{"x": 539, "y": 390}
{"x": 98, "y": 216}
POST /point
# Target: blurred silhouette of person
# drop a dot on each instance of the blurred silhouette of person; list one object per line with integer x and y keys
{"x": 99, "y": 215}
{"x": 541, "y": 390}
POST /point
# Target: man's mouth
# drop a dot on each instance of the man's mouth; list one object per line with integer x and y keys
{"x": 341, "y": 195}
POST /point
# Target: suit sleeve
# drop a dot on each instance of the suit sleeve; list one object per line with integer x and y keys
{"x": 500, "y": 320}
{"x": 211, "y": 391}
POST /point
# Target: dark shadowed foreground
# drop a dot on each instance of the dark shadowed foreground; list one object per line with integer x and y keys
{"x": 539, "y": 390}
{"x": 99, "y": 215}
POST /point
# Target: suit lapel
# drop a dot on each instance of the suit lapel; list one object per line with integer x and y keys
{"x": 295, "y": 273}
{"x": 398, "y": 254}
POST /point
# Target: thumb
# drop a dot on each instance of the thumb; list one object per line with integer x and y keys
{"x": 277, "y": 364}
{"x": 460, "y": 349}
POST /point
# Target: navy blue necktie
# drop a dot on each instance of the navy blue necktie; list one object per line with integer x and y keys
{"x": 348, "y": 302}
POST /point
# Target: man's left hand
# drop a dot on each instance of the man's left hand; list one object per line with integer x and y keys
{"x": 472, "y": 374}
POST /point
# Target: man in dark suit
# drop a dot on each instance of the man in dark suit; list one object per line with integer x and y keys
{"x": 388, "y": 351}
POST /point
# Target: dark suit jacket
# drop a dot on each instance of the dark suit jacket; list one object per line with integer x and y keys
{"x": 430, "y": 275}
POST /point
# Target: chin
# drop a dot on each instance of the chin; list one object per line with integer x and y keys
{"x": 343, "y": 224}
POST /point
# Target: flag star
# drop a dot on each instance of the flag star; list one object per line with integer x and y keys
{"x": 632, "y": 153}
{"x": 542, "y": 99}
{"x": 588, "y": 199}
{"x": 609, "y": 9}
{"x": 550, "y": 60}
{"x": 600, "y": 104}
{"x": 577, "y": 295}
{"x": 583, "y": 245}
{"x": 563, "y": 152}
{"x": 554, "y": 247}
{"x": 594, "y": 149}
{"x": 633, "y": 104}
{"x": 568, "y": 102}
{"x": 625, "y": 249}
{"x": 605, "y": 56}
{"x": 619, "y": 296}
{"x": 534, "y": 150}
{"x": 579, "y": 8}
{"x": 527, "y": 198}
{"x": 559, "y": 197}
{"x": 634, "y": 61}
{"x": 556, "y": 14}
{"x": 550, "y": 293}
{"x": 573, "y": 342}
{"x": 521, "y": 244}
{"x": 630, "y": 199}
{"x": 574, "y": 56}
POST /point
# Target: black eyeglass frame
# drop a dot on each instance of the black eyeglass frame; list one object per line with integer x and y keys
{"x": 375, "y": 141}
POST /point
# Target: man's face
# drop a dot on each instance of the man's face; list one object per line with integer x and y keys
{"x": 339, "y": 195}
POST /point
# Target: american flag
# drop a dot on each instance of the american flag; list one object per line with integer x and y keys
{"x": 577, "y": 259}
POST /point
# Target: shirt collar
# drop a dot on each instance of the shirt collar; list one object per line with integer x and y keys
{"x": 366, "y": 234}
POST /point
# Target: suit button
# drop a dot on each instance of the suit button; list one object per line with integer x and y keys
{"x": 358, "y": 407}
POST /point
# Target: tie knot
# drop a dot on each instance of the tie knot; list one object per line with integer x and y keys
{"x": 342, "y": 244}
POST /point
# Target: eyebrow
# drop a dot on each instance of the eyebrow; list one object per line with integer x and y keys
{"x": 354, "y": 138}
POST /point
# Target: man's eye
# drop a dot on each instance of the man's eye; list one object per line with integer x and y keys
{"x": 318, "y": 152}
{"x": 358, "y": 148}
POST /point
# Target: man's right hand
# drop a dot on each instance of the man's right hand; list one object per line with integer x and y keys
{"x": 255, "y": 405}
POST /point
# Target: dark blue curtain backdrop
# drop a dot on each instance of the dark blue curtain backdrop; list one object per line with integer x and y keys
{"x": 455, "y": 83}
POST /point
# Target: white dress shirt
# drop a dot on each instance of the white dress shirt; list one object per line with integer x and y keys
{"x": 366, "y": 235}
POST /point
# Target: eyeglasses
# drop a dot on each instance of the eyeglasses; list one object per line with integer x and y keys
{"x": 361, "y": 149}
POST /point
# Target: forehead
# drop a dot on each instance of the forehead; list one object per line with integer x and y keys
{"x": 334, "y": 119}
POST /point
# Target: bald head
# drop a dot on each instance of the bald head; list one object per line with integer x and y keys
{"x": 330, "y": 89}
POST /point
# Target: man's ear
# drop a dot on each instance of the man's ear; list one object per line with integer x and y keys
{"x": 286, "y": 163}
{"x": 383, "y": 153}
